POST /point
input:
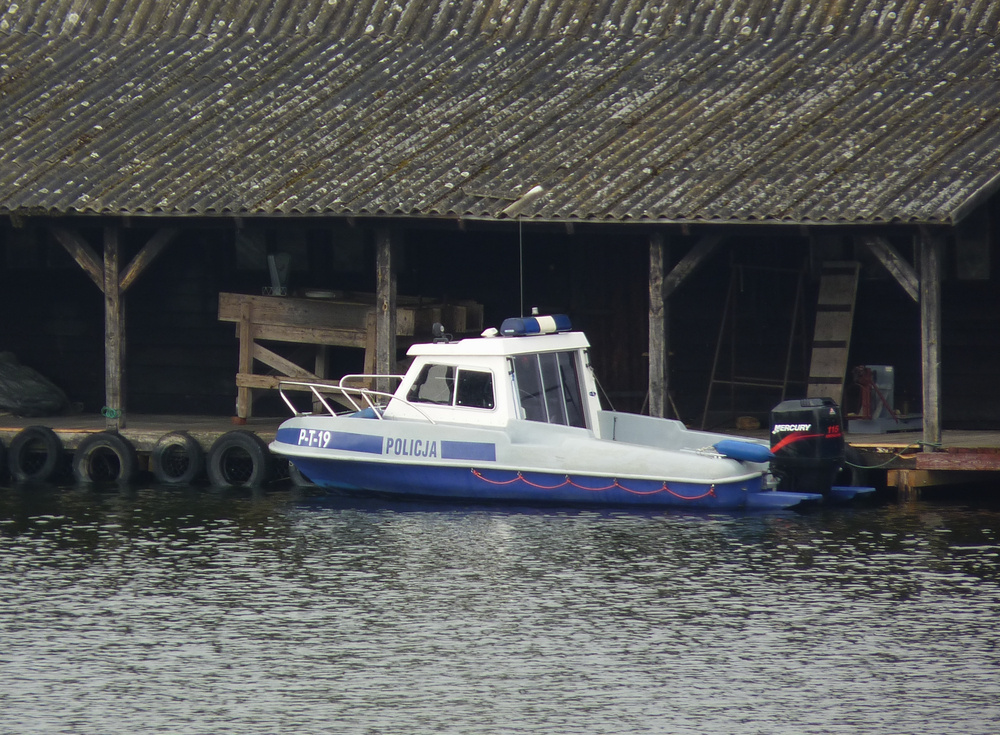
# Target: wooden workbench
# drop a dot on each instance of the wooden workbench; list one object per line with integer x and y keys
{"x": 347, "y": 321}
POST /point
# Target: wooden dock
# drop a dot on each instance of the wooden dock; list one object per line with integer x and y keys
{"x": 896, "y": 460}
{"x": 961, "y": 457}
{"x": 143, "y": 431}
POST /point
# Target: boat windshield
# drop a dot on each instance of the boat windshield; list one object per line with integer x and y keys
{"x": 548, "y": 388}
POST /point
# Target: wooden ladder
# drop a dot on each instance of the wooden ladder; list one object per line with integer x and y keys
{"x": 838, "y": 289}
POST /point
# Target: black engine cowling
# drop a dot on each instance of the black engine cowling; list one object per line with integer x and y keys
{"x": 807, "y": 441}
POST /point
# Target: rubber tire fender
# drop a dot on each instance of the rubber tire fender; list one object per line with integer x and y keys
{"x": 105, "y": 451}
{"x": 298, "y": 479}
{"x": 852, "y": 472}
{"x": 170, "y": 451}
{"x": 27, "y": 440}
{"x": 253, "y": 468}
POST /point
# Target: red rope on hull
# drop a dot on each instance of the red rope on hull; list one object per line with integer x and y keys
{"x": 519, "y": 477}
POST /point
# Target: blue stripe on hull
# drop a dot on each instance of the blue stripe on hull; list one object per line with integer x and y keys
{"x": 345, "y": 440}
{"x": 466, "y": 483}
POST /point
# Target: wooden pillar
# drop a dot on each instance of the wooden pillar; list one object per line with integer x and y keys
{"x": 658, "y": 359}
{"x": 244, "y": 394}
{"x": 931, "y": 249}
{"x": 113, "y": 282}
{"x": 386, "y": 246}
{"x": 114, "y": 334}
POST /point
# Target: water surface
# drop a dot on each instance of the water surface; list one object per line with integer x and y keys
{"x": 203, "y": 611}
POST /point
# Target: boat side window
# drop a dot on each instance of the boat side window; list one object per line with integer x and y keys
{"x": 435, "y": 384}
{"x": 529, "y": 387}
{"x": 548, "y": 387}
{"x": 475, "y": 389}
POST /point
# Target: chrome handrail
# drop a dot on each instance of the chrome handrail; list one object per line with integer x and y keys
{"x": 368, "y": 395}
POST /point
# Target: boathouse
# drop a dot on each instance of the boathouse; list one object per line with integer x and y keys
{"x": 738, "y": 202}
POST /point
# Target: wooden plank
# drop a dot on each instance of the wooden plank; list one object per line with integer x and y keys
{"x": 77, "y": 247}
{"x": 276, "y": 362}
{"x": 307, "y": 313}
{"x": 147, "y": 255}
{"x": 975, "y": 461}
{"x": 114, "y": 334}
{"x": 832, "y": 325}
{"x": 837, "y": 290}
{"x": 828, "y": 362}
{"x": 931, "y": 247}
{"x": 905, "y": 480}
{"x": 313, "y": 335}
{"x": 289, "y": 312}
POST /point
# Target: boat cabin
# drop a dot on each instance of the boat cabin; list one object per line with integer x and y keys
{"x": 535, "y": 374}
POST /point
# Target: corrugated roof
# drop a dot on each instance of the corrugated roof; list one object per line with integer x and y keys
{"x": 500, "y": 19}
{"x": 736, "y": 112}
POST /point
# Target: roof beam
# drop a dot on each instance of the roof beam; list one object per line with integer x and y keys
{"x": 894, "y": 263}
{"x": 146, "y": 256}
{"x": 687, "y": 265}
{"x": 78, "y": 249}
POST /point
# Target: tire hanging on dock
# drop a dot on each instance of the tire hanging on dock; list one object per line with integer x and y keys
{"x": 105, "y": 457}
{"x": 35, "y": 455}
{"x": 239, "y": 459}
{"x": 177, "y": 459}
{"x": 297, "y": 478}
{"x": 853, "y": 472}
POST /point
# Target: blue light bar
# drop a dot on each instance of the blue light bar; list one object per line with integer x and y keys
{"x": 527, "y": 325}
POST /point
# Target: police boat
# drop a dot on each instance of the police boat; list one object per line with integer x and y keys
{"x": 514, "y": 415}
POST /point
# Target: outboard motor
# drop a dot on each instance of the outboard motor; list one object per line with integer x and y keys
{"x": 807, "y": 441}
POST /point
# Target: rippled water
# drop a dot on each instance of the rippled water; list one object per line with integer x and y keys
{"x": 199, "y": 611}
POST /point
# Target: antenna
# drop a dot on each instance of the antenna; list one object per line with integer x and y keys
{"x": 514, "y": 210}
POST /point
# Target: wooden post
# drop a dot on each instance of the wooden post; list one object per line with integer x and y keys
{"x": 244, "y": 394}
{"x": 658, "y": 375}
{"x": 385, "y": 304}
{"x": 113, "y": 282}
{"x": 320, "y": 370}
{"x": 931, "y": 247}
{"x": 114, "y": 334}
